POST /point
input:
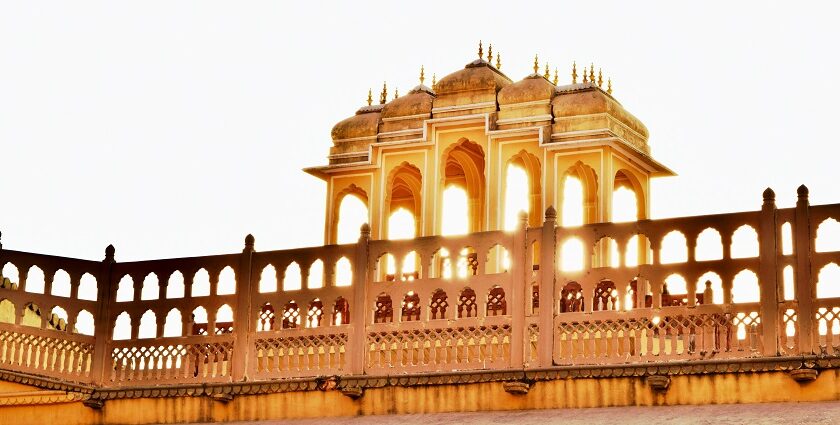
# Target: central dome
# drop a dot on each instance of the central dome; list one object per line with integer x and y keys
{"x": 477, "y": 75}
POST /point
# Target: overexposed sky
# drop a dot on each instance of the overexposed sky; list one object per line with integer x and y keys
{"x": 174, "y": 128}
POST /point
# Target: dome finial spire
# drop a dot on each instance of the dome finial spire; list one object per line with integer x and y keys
{"x": 609, "y": 86}
{"x": 547, "y": 73}
{"x": 536, "y": 64}
{"x": 574, "y": 72}
{"x": 434, "y": 79}
{"x": 585, "y": 76}
{"x": 592, "y": 73}
{"x": 555, "y": 76}
{"x": 383, "y": 97}
{"x": 422, "y": 74}
{"x": 490, "y": 54}
{"x": 370, "y": 97}
{"x": 600, "y": 78}
{"x": 396, "y": 92}
{"x": 498, "y": 61}
{"x": 480, "y": 50}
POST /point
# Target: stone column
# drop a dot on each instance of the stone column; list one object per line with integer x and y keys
{"x": 768, "y": 274}
{"x": 804, "y": 284}
{"x": 356, "y": 345}
{"x": 548, "y": 266}
{"x": 243, "y": 326}
{"x": 518, "y": 299}
{"x": 105, "y": 295}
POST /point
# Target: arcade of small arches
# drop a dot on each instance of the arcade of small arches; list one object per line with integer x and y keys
{"x": 462, "y": 195}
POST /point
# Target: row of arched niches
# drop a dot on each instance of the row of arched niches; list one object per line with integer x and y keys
{"x": 625, "y": 275}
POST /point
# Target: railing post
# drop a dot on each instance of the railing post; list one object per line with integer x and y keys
{"x": 804, "y": 287}
{"x": 519, "y": 283}
{"x": 768, "y": 274}
{"x": 356, "y": 345}
{"x": 243, "y": 325}
{"x": 103, "y": 328}
{"x": 548, "y": 266}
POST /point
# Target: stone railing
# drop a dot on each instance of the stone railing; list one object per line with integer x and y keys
{"x": 485, "y": 301}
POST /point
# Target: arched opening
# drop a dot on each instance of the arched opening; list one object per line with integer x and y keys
{"x": 463, "y": 166}
{"x": 744, "y": 243}
{"x": 787, "y": 239}
{"x": 58, "y": 319}
{"x": 201, "y": 283}
{"x": 628, "y": 198}
{"x": 383, "y": 309}
{"x": 199, "y": 321}
{"x": 467, "y": 306}
{"x": 351, "y": 214}
{"x": 151, "y": 288}
{"x": 343, "y": 272}
{"x": 606, "y": 296}
{"x": 572, "y": 255}
{"x": 292, "y": 277}
{"x": 315, "y": 313}
{"x": 122, "y": 327}
{"x": 175, "y": 287}
{"x": 35, "y": 280}
{"x": 496, "y": 302}
{"x": 578, "y": 196}
{"x": 224, "y": 320}
{"x": 31, "y": 315}
{"x": 788, "y": 283}
{"x": 173, "y": 325}
{"x": 571, "y": 298}
{"x": 523, "y": 190}
{"x": 674, "y": 248}
{"x": 438, "y": 305}
{"x": 60, "y": 284}
{"x": 410, "y": 307}
{"x": 403, "y": 201}
{"x": 85, "y": 324}
{"x": 745, "y": 288}
{"x": 828, "y": 281}
{"x": 674, "y": 291}
{"x": 148, "y": 325}
{"x": 265, "y": 319}
{"x": 227, "y": 282}
{"x": 341, "y": 311}
{"x": 7, "y": 311}
{"x": 291, "y": 315}
{"x": 125, "y": 289}
{"x": 316, "y": 275}
{"x": 709, "y": 246}
{"x": 268, "y": 279}
{"x": 455, "y": 218}
{"x": 711, "y": 286}
{"x": 828, "y": 236}
{"x": 11, "y": 274}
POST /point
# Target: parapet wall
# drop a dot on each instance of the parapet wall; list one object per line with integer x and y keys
{"x": 487, "y": 307}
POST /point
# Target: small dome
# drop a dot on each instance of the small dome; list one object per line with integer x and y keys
{"x": 364, "y": 124}
{"x": 587, "y": 99}
{"x": 417, "y": 101}
{"x": 533, "y": 87}
{"x": 477, "y": 75}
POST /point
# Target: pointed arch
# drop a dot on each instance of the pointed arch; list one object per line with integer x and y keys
{"x": 404, "y": 190}
{"x": 625, "y": 178}
{"x": 588, "y": 179}
{"x": 533, "y": 170}
{"x": 360, "y": 196}
{"x": 463, "y": 166}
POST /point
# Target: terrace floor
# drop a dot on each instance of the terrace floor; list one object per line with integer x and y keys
{"x": 753, "y": 414}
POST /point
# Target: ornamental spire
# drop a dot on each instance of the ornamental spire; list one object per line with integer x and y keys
{"x": 434, "y": 79}
{"x": 609, "y": 86}
{"x": 396, "y": 93}
{"x": 498, "y": 61}
{"x": 383, "y": 97}
{"x": 490, "y": 54}
{"x": 422, "y": 74}
{"x": 574, "y": 72}
{"x": 546, "y": 74}
{"x": 480, "y": 50}
{"x": 592, "y": 73}
{"x": 555, "y": 76}
{"x": 600, "y": 78}
{"x": 536, "y": 64}
{"x": 370, "y": 97}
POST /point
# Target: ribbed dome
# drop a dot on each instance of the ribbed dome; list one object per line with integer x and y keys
{"x": 587, "y": 99}
{"x": 364, "y": 123}
{"x": 417, "y": 101}
{"x": 477, "y": 75}
{"x": 533, "y": 87}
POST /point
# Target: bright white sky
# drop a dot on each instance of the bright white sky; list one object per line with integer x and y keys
{"x": 176, "y": 128}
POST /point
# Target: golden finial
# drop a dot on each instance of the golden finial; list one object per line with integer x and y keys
{"x": 536, "y": 64}
{"x": 600, "y": 78}
{"x": 585, "y": 76}
{"x": 547, "y": 73}
{"x": 592, "y": 73}
{"x": 609, "y": 85}
{"x": 383, "y": 97}
{"x": 555, "y": 76}
{"x": 498, "y": 61}
{"x": 480, "y": 50}
{"x": 396, "y": 93}
{"x": 370, "y": 97}
{"x": 434, "y": 79}
{"x": 490, "y": 54}
{"x": 422, "y": 74}
{"x": 574, "y": 72}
